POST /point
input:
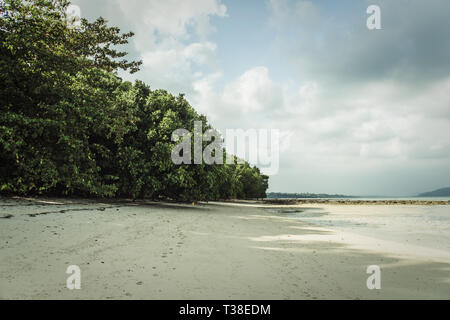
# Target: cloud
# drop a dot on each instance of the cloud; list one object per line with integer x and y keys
{"x": 253, "y": 92}
{"x": 372, "y": 129}
{"x": 358, "y": 110}
{"x": 172, "y": 40}
{"x": 171, "y": 18}
{"x": 245, "y": 102}
{"x": 286, "y": 14}
{"x": 367, "y": 95}
{"x": 175, "y": 65}
{"x": 413, "y": 45}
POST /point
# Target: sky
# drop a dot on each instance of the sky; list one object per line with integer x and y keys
{"x": 363, "y": 112}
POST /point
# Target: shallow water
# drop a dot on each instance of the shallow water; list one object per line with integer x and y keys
{"x": 380, "y": 198}
{"x": 425, "y": 226}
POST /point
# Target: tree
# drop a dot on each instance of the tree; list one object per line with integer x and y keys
{"x": 70, "y": 126}
{"x": 59, "y": 96}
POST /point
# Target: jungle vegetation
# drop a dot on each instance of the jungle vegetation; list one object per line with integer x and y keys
{"x": 70, "y": 126}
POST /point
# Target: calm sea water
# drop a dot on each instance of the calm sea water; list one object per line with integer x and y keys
{"x": 422, "y": 225}
{"x": 379, "y": 198}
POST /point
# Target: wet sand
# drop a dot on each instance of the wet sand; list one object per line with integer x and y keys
{"x": 145, "y": 250}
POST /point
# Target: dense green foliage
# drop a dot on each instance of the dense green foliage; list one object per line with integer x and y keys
{"x": 70, "y": 126}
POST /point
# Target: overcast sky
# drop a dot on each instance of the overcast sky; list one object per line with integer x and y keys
{"x": 360, "y": 111}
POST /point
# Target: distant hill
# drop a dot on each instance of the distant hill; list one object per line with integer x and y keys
{"x": 281, "y": 195}
{"x": 444, "y": 192}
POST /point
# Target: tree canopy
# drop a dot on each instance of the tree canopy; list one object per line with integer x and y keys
{"x": 70, "y": 126}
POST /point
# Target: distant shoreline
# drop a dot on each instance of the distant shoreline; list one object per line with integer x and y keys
{"x": 356, "y": 202}
{"x": 267, "y": 201}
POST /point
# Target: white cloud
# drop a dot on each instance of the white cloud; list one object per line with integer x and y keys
{"x": 358, "y": 133}
{"x": 357, "y": 103}
{"x": 173, "y": 18}
{"x": 171, "y": 38}
{"x": 178, "y": 59}
{"x": 253, "y": 92}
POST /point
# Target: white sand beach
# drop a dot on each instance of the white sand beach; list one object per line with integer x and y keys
{"x": 145, "y": 250}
